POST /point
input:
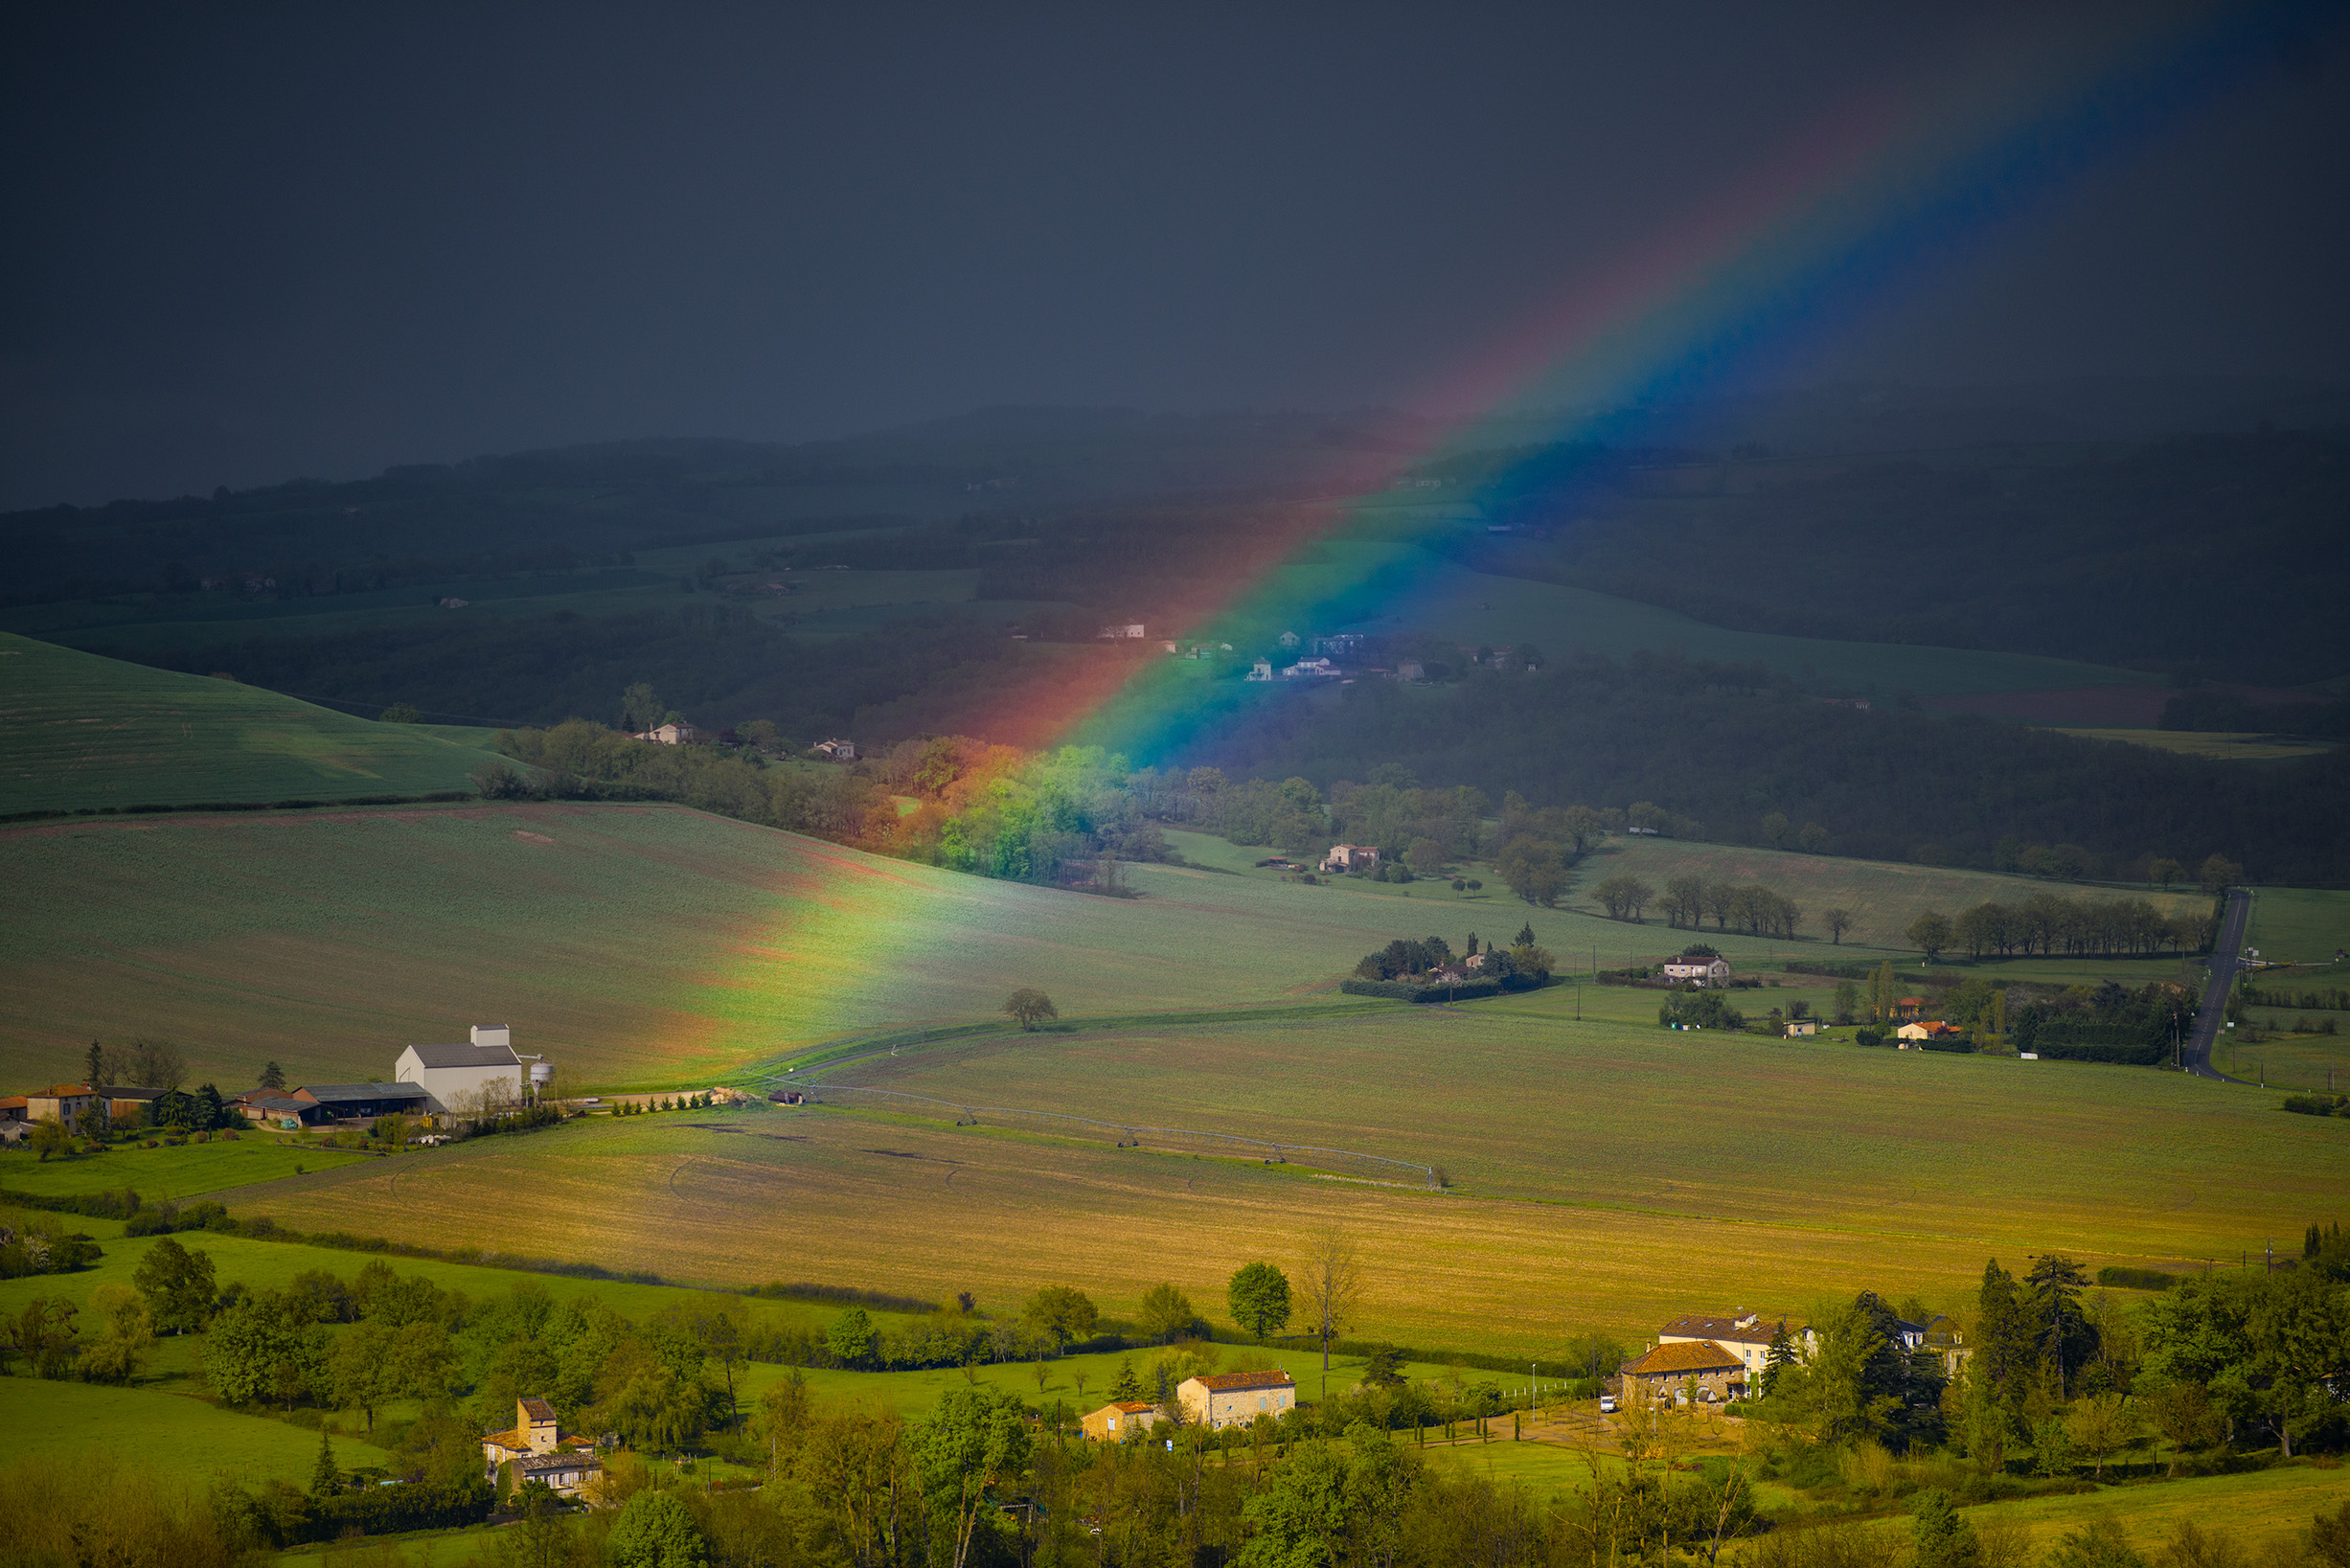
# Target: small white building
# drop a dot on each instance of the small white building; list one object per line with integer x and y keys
{"x": 839, "y": 750}
{"x": 670, "y": 735}
{"x": 1123, "y": 630}
{"x": 471, "y": 1077}
{"x": 1261, "y": 670}
{"x": 1705, "y": 971}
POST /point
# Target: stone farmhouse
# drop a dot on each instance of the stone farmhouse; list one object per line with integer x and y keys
{"x": 1351, "y": 858}
{"x": 1121, "y": 1420}
{"x": 1702, "y": 972}
{"x": 1664, "y": 1373}
{"x": 679, "y": 734}
{"x": 535, "y": 1451}
{"x": 1932, "y": 1029}
{"x": 1746, "y": 1336}
{"x": 1235, "y": 1398}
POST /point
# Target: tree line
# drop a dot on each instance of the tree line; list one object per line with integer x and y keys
{"x": 2046, "y": 922}
{"x": 1734, "y": 747}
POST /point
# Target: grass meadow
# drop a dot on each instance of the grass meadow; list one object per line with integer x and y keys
{"x": 176, "y": 1433}
{"x": 1606, "y": 1172}
{"x": 84, "y": 731}
{"x": 2299, "y": 925}
{"x": 651, "y": 946}
{"x": 163, "y": 1173}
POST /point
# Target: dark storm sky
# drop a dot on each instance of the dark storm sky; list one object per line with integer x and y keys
{"x": 251, "y": 242}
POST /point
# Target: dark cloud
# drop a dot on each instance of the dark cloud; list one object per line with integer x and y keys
{"x": 251, "y": 242}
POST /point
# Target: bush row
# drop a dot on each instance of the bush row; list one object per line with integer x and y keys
{"x": 1399, "y": 991}
{"x": 2318, "y": 1105}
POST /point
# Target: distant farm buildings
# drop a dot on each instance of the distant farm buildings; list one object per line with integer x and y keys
{"x": 677, "y": 734}
{"x": 839, "y": 750}
{"x": 471, "y": 1077}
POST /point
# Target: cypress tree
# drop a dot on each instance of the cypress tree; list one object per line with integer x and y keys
{"x": 326, "y": 1479}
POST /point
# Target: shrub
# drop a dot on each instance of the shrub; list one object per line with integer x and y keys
{"x": 2318, "y": 1105}
{"x": 2135, "y": 1279}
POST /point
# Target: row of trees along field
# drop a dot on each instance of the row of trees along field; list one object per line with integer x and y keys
{"x": 2062, "y": 1387}
{"x": 2048, "y": 924}
{"x": 1750, "y": 907}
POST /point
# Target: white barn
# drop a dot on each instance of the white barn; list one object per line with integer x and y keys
{"x": 482, "y": 1072}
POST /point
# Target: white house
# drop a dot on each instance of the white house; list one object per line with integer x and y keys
{"x": 1123, "y": 629}
{"x": 1315, "y": 669}
{"x": 1705, "y": 972}
{"x": 839, "y": 750}
{"x": 1261, "y": 670}
{"x": 483, "y": 1072}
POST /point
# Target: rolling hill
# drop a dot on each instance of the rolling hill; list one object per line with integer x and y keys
{"x": 84, "y": 731}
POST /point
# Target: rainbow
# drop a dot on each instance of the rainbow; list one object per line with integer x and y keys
{"x": 1880, "y": 194}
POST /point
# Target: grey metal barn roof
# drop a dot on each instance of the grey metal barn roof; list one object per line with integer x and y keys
{"x": 328, "y": 1092}
{"x": 467, "y": 1055}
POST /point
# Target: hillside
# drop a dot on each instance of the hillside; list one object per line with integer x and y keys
{"x": 83, "y": 731}
{"x": 655, "y": 945}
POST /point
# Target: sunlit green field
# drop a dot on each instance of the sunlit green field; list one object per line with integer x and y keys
{"x": 76, "y": 730}
{"x": 2299, "y": 925}
{"x": 177, "y": 1434}
{"x": 1605, "y": 1172}
{"x": 163, "y": 1173}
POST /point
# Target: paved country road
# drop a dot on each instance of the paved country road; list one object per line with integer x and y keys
{"x": 2227, "y": 949}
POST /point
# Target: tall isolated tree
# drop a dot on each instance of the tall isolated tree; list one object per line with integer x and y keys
{"x": 1837, "y": 922}
{"x": 1332, "y": 1283}
{"x": 1258, "y": 1297}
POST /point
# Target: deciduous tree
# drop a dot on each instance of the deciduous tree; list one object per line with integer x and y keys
{"x": 1166, "y": 1312}
{"x": 1258, "y": 1297}
{"x": 1030, "y": 1007}
{"x": 1837, "y": 922}
{"x": 1333, "y": 1277}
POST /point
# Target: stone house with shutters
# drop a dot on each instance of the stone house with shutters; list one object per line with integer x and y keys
{"x": 534, "y": 1450}
{"x": 1235, "y": 1398}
